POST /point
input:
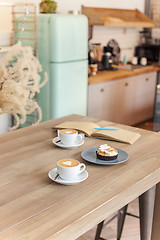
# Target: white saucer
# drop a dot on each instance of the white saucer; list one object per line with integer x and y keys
{"x": 78, "y": 142}
{"x": 80, "y": 178}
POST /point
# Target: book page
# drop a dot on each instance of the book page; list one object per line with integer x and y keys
{"x": 88, "y": 129}
{"x": 85, "y": 127}
{"x": 117, "y": 135}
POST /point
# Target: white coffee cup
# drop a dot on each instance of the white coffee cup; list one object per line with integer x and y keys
{"x": 68, "y": 136}
{"x": 134, "y": 60}
{"x": 143, "y": 61}
{"x": 69, "y": 169}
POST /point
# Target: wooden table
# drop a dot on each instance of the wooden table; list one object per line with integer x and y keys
{"x": 33, "y": 207}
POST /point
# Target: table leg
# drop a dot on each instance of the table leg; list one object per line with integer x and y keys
{"x": 156, "y": 217}
{"x": 146, "y": 207}
{"x": 99, "y": 229}
{"x": 121, "y": 218}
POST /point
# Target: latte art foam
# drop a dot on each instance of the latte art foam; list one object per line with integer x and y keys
{"x": 68, "y": 163}
{"x": 68, "y": 131}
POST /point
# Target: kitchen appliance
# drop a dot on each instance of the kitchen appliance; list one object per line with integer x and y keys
{"x": 146, "y": 37}
{"x": 111, "y": 55}
{"x": 107, "y": 61}
{"x": 114, "y": 49}
{"x": 63, "y": 54}
{"x": 149, "y": 51}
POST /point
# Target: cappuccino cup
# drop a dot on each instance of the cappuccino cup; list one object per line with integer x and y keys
{"x": 69, "y": 169}
{"x": 68, "y": 136}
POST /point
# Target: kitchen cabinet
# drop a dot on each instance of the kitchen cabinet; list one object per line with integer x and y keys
{"x": 128, "y": 100}
{"x": 117, "y": 17}
{"x": 101, "y": 100}
{"x": 145, "y": 87}
{"x": 124, "y": 101}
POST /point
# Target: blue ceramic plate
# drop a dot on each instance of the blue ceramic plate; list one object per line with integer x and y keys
{"x": 90, "y": 156}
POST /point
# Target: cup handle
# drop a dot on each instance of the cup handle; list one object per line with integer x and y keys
{"x": 82, "y": 167}
{"x": 58, "y": 132}
{"x": 81, "y": 135}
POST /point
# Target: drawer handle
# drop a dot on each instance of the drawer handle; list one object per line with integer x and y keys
{"x": 126, "y": 84}
{"x": 147, "y": 79}
{"x": 102, "y": 89}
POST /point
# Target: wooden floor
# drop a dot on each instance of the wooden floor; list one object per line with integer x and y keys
{"x": 131, "y": 226}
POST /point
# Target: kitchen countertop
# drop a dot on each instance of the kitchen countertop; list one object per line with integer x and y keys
{"x": 107, "y": 75}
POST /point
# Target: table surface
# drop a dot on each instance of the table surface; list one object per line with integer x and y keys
{"x": 34, "y": 207}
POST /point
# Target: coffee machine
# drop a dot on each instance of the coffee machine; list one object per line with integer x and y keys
{"x": 149, "y": 51}
{"x": 111, "y": 54}
{"x": 148, "y": 47}
{"x": 107, "y": 61}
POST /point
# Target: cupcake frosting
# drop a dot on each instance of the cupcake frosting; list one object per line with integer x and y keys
{"x": 106, "y": 150}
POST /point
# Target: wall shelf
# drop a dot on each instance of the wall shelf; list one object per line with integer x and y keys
{"x": 117, "y": 17}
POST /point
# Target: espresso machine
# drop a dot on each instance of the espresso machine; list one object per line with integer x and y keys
{"x": 111, "y": 54}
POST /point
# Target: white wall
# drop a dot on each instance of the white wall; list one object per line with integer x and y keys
{"x": 127, "y": 38}
{"x": 5, "y": 18}
{"x": 65, "y": 5}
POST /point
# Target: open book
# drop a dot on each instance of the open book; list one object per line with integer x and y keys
{"x": 88, "y": 128}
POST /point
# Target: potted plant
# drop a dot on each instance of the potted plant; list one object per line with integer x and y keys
{"x": 48, "y": 6}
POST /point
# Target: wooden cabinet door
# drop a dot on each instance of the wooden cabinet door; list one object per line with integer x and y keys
{"x": 127, "y": 101}
{"x": 124, "y": 101}
{"x": 135, "y": 97}
{"x": 101, "y": 100}
{"x": 144, "y": 96}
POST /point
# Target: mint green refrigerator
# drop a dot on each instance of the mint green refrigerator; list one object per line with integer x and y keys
{"x": 63, "y": 54}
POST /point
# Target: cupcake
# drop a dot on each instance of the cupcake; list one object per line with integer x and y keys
{"x": 107, "y": 153}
